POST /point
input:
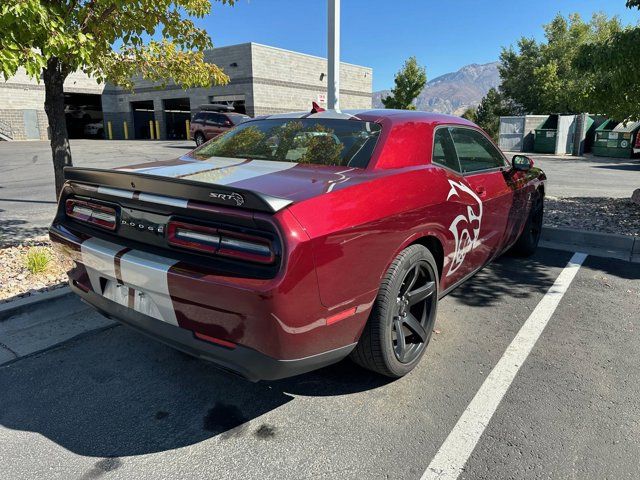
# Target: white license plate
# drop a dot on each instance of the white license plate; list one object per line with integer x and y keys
{"x": 131, "y": 297}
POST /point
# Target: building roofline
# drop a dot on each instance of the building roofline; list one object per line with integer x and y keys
{"x": 289, "y": 51}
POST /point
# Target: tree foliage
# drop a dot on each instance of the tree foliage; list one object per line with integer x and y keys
{"x": 81, "y": 34}
{"x": 409, "y": 82}
{"x": 541, "y": 76}
{"x": 322, "y": 149}
{"x": 52, "y": 39}
{"x": 493, "y": 106}
{"x": 613, "y": 82}
{"x": 471, "y": 114}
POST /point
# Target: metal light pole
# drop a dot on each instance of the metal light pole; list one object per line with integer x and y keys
{"x": 333, "y": 74}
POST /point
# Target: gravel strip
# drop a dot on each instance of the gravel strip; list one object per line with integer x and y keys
{"x": 17, "y": 282}
{"x": 597, "y": 214}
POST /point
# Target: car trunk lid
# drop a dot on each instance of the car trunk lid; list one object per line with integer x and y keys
{"x": 288, "y": 181}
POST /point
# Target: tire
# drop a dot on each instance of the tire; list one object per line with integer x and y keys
{"x": 199, "y": 138}
{"x": 379, "y": 348}
{"x": 527, "y": 243}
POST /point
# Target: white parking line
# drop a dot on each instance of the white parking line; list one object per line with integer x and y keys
{"x": 456, "y": 449}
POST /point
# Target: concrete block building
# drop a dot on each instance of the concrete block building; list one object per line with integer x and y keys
{"x": 263, "y": 80}
{"x": 22, "y": 115}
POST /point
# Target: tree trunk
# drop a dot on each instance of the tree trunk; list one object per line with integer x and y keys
{"x": 54, "y": 75}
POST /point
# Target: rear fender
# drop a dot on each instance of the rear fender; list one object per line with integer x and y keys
{"x": 436, "y": 232}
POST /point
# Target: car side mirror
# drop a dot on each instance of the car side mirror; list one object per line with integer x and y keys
{"x": 521, "y": 163}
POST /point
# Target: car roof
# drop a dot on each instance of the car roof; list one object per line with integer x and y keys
{"x": 408, "y": 132}
{"x": 394, "y": 117}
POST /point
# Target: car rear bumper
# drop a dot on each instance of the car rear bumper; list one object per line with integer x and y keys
{"x": 274, "y": 327}
{"x": 243, "y": 361}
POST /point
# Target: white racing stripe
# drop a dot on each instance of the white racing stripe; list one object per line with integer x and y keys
{"x": 190, "y": 168}
{"x": 98, "y": 258}
{"x": 144, "y": 272}
{"x": 452, "y": 456}
{"x": 252, "y": 169}
{"x": 149, "y": 273}
{"x": 162, "y": 200}
{"x": 334, "y": 114}
{"x": 288, "y": 115}
{"x": 218, "y": 171}
{"x": 115, "y": 192}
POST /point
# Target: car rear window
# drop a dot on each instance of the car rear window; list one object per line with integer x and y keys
{"x": 315, "y": 141}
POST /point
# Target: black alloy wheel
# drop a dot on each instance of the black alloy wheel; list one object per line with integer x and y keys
{"x": 414, "y": 316}
{"x": 401, "y": 321}
{"x": 527, "y": 243}
{"x": 535, "y": 226}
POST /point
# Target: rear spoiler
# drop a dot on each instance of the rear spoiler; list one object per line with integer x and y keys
{"x": 176, "y": 188}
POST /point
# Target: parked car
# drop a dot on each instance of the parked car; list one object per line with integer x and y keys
{"x": 212, "y": 120}
{"x": 291, "y": 242}
{"x": 86, "y": 113}
{"x": 94, "y": 130}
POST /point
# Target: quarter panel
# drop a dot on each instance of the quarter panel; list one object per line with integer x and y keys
{"x": 356, "y": 232}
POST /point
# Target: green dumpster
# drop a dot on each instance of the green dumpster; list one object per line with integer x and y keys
{"x": 614, "y": 139}
{"x": 593, "y": 122}
{"x": 545, "y": 136}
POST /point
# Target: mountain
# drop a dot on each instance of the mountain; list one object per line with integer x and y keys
{"x": 453, "y": 92}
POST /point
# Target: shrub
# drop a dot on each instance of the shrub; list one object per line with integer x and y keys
{"x": 37, "y": 260}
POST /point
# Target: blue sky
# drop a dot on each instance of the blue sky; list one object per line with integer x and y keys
{"x": 443, "y": 34}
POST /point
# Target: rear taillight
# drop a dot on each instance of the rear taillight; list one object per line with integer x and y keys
{"x": 194, "y": 237}
{"x": 220, "y": 242}
{"x": 90, "y": 212}
{"x": 637, "y": 145}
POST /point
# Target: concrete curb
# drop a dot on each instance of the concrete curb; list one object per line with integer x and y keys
{"x": 45, "y": 325}
{"x": 608, "y": 245}
{"x": 16, "y": 307}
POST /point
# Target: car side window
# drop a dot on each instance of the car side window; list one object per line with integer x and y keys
{"x": 444, "y": 153}
{"x": 474, "y": 151}
{"x": 214, "y": 119}
{"x": 199, "y": 117}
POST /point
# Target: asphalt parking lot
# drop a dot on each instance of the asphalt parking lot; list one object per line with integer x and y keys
{"x": 27, "y": 192}
{"x": 114, "y": 404}
{"x": 27, "y": 196}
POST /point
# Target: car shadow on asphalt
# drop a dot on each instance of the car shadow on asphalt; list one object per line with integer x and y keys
{"x": 117, "y": 393}
{"x": 513, "y": 277}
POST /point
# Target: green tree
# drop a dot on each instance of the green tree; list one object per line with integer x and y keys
{"x": 322, "y": 149}
{"x": 493, "y": 106}
{"x": 541, "y": 77}
{"x": 52, "y": 39}
{"x": 249, "y": 142}
{"x": 471, "y": 114}
{"x": 409, "y": 82}
{"x": 613, "y": 81}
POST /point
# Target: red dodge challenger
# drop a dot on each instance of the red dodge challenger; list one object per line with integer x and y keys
{"x": 295, "y": 240}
